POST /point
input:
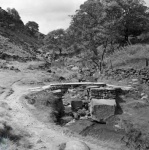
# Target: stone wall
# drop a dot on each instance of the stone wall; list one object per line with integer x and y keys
{"x": 120, "y": 74}
{"x": 103, "y": 93}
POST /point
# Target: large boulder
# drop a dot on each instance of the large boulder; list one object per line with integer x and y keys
{"x": 74, "y": 145}
{"x": 102, "y": 109}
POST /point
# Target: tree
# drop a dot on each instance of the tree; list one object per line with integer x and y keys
{"x": 106, "y": 22}
{"x": 130, "y": 17}
{"x": 14, "y": 13}
{"x": 32, "y": 26}
{"x": 55, "y": 40}
{"x": 88, "y": 28}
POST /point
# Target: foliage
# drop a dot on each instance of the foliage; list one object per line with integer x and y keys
{"x": 55, "y": 41}
{"x": 103, "y": 23}
{"x": 87, "y": 25}
{"x": 130, "y": 17}
{"x": 99, "y": 26}
{"x": 14, "y": 13}
{"x": 32, "y": 26}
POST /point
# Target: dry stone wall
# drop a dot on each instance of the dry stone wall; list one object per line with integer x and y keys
{"x": 120, "y": 74}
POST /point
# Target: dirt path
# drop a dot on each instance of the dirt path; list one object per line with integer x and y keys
{"x": 42, "y": 136}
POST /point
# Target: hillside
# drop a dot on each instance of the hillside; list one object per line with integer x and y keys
{"x": 15, "y": 38}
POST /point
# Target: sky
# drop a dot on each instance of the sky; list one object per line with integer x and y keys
{"x": 49, "y": 14}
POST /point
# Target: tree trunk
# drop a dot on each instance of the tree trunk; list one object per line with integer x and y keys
{"x": 95, "y": 51}
{"x": 126, "y": 38}
{"x": 126, "y": 35}
{"x": 102, "y": 57}
{"x": 60, "y": 51}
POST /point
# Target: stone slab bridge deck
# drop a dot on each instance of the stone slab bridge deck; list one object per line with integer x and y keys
{"x": 89, "y": 85}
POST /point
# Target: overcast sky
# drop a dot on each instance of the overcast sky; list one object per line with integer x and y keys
{"x": 49, "y": 14}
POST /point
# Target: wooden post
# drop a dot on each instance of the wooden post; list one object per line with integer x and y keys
{"x": 111, "y": 64}
{"x": 146, "y": 62}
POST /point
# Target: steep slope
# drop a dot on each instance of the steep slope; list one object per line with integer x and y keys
{"x": 15, "y": 38}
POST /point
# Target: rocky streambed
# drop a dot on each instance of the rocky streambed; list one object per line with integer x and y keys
{"x": 86, "y": 109}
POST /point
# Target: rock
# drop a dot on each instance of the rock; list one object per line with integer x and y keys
{"x": 76, "y": 105}
{"x": 31, "y": 101}
{"x": 71, "y": 90}
{"x": 82, "y": 112}
{"x": 97, "y": 74}
{"x": 142, "y": 94}
{"x": 66, "y": 119}
{"x": 12, "y": 68}
{"x": 144, "y": 97}
{"x": 102, "y": 109}
{"x": 74, "y": 145}
{"x": 68, "y": 111}
{"x": 75, "y": 68}
{"x": 61, "y": 79}
{"x": 83, "y": 118}
{"x": 85, "y": 104}
{"x": 39, "y": 141}
{"x": 57, "y": 91}
{"x": 70, "y": 123}
{"x": 49, "y": 71}
{"x": 76, "y": 116}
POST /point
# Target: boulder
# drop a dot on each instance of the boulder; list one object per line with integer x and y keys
{"x": 76, "y": 116}
{"x": 50, "y": 71}
{"x": 75, "y": 68}
{"x": 102, "y": 109}
{"x": 82, "y": 112}
{"x": 61, "y": 78}
{"x": 68, "y": 110}
{"x": 76, "y": 105}
{"x": 66, "y": 119}
{"x": 74, "y": 145}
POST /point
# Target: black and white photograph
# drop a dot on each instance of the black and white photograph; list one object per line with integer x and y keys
{"x": 74, "y": 75}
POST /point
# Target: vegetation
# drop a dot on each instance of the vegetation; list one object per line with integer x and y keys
{"x": 55, "y": 40}
{"x": 32, "y": 26}
{"x": 134, "y": 56}
{"x": 17, "y": 40}
{"x": 99, "y": 27}
{"x": 14, "y": 13}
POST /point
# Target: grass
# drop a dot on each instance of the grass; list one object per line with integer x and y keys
{"x": 6, "y": 144}
{"x": 129, "y": 56}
